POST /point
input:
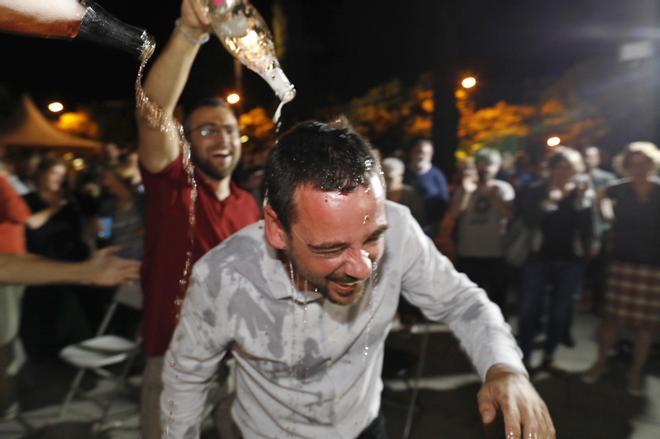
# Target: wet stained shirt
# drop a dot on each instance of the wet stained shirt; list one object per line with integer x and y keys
{"x": 307, "y": 367}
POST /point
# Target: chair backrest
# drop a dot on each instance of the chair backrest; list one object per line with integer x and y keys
{"x": 129, "y": 294}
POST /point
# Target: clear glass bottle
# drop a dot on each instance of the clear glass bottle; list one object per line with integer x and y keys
{"x": 245, "y": 34}
{"x": 68, "y": 19}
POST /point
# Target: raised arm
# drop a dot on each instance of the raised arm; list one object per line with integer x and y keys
{"x": 163, "y": 87}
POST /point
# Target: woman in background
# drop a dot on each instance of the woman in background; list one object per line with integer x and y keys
{"x": 558, "y": 211}
{"x": 53, "y": 316}
{"x": 633, "y": 283}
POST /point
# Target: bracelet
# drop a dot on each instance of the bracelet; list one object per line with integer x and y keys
{"x": 198, "y": 41}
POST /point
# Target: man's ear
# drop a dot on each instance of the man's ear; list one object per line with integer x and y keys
{"x": 275, "y": 233}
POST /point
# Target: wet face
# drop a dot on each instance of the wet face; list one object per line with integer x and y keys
{"x": 53, "y": 178}
{"x": 335, "y": 240}
{"x": 215, "y": 142}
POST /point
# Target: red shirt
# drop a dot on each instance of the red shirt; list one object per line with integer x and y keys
{"x": 13, "y": 214}
{"x": 166, "y": 242}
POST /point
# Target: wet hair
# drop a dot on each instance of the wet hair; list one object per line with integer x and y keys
{"x": 325, "y": 156}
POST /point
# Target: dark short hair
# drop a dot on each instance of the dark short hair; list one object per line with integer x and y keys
{"x": 326, "y": 156}
{"x": 214, "y": 102}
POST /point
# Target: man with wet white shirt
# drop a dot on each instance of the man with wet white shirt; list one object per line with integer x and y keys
{"x": 304, "y": 301}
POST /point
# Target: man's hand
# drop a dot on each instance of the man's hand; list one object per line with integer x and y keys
{"x": 524, "y": 413}
{"x": 104, "y": 269}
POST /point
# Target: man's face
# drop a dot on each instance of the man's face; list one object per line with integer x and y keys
{"x": 485, "y": 170}
{"x": 215, "y": 142}
{"x": 591, "y": 158}
{"x": 337, "y": 238}
{"x": 422, "y": 153}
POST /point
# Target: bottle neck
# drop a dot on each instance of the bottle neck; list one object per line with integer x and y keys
{"x": 98, "y": 26}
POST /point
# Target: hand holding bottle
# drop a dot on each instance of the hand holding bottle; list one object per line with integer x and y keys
{"x": 70, "y": 19}
{"x": 195, "y": 16}
{"x": 244, "y": 33}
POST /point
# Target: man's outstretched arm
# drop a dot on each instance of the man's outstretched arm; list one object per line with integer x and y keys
{"x": 102, "y": 269}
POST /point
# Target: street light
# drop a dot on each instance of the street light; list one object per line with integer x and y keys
{"x": 233, "y": 98}
{"x": 55, "y": 107}
{"x": 553, "y": 141}
{"x": 469, "y": 82}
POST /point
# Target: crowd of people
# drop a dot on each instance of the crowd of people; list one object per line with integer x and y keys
{"x": 573, "y": 233}
{"x": 302, "y": 292}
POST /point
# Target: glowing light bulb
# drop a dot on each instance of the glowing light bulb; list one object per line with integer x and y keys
{"x": 55, "y": 107}
{"x": 553, "y": 141}
{"x": 233, "y": 98}
{"x": 469, "y": 82}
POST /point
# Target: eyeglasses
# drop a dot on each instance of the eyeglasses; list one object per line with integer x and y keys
{"x": 208, "y": 131}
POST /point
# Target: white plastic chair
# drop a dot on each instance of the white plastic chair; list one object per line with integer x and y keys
{"x": 98, "y": 353}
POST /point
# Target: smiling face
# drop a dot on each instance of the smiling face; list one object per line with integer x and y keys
{"x": 336, "y": 238}
{"x": 215, "y": 141}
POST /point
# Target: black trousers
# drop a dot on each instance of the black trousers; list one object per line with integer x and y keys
{"x": 375, "y": 430}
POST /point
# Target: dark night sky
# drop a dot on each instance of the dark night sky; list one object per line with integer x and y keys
{"x": 342, "y": 48}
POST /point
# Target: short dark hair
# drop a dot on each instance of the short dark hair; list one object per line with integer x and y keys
{"x": 325, "y": 156}
{"x": 214, "y": 102}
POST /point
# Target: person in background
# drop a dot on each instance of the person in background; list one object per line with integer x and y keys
{"x": 397, "y": 191}
{"x": 558, "y": 211}
{"x": 633, "y": 282}
{"x": 429, "y": 181}
{"x": 483, "y": 210}
{"x": 129, "y": 168}
{"x": 304, "y": 301}
{"x": 595, "y": 276}
{"x": 54, "y": 316}
{"x": 172, "y": 243}
{"x": 13, "y": 215}
{"x": 111, "y": 153}
{"x": 18, "y": 269}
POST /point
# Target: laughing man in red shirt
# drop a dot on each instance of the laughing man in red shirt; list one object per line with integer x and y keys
{"x": 221, "y": 207}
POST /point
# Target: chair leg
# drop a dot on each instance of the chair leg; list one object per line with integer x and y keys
{"x": 420, "y": 370}
{"x": 72, "y": 391}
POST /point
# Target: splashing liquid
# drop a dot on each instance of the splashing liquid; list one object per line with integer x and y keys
{"x": 157, "y": 119}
